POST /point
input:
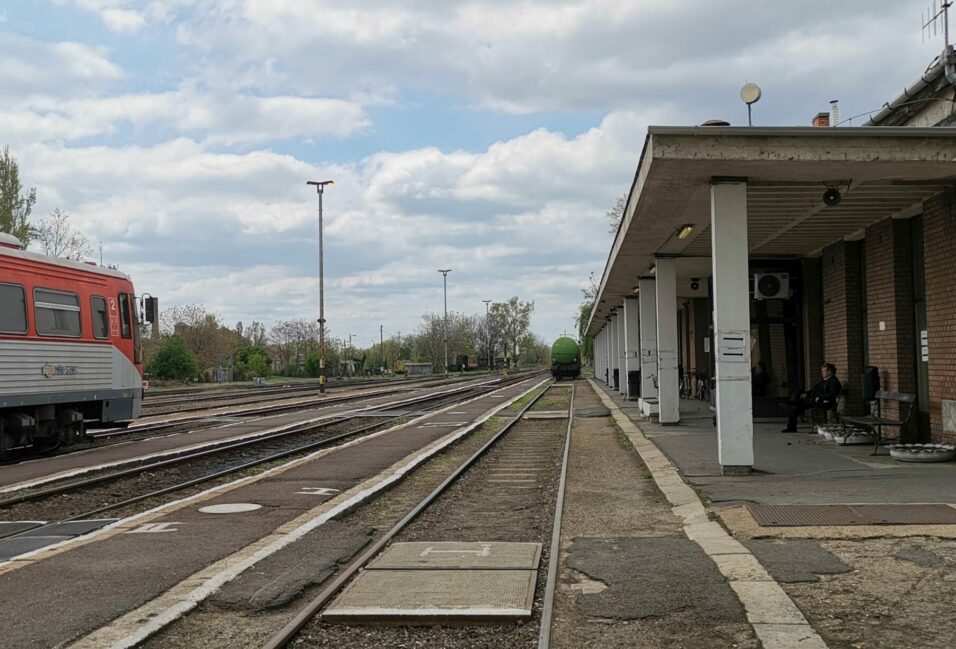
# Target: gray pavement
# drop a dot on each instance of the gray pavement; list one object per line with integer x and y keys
{"x": 791, "y": 468}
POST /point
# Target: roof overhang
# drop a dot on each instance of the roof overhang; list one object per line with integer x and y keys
{"x": 880, "y": 171}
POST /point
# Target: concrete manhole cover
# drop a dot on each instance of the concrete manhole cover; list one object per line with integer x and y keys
{"x": 230, "y": 508}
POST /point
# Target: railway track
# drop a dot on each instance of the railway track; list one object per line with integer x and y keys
{"x": 478, "y": 497}
{"x": 124, "y": 488}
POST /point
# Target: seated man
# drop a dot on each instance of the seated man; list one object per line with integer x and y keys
{"x": 823, "y": 395}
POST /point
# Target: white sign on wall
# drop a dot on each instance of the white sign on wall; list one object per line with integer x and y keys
{"x": 731, "y": 346}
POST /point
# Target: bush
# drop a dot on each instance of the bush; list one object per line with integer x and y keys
{"x": 253, "y": 361}
{"x": 173, "y": 361}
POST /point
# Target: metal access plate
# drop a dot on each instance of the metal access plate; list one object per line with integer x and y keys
{"x": 9, "y": 528}
{"x": 827, "y": 515}
{"x": 427, "y": 596}
{"x": 10, "y": 548}
{"x": 72, "y": 528}
{"x": 461, "y": 556}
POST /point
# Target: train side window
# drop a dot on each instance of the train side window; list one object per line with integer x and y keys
{"x": 57, "y": 313}
{"x": 13, "y": 309}
{"x": 101, "y": 318}
{"x": 125, "y": 330}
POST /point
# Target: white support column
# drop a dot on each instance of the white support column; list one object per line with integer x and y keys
{"x": 608, "y": 378}
{"x": 647, "y": 301}
{"x": 622, "y": 352}
{"x": 667, "y": 379}
{"x": 632, "y": 339}
{"x": 612, "y": 335}
{"x": 728, "y": 228}
{"x": 599, "y": 356}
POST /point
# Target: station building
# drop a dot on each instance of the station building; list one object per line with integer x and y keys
{"x": 764, "y": 252}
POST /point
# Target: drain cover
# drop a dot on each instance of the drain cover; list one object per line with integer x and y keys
{"x": 825, "y": 515}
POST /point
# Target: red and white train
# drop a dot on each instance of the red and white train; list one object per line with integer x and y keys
{"x": 70, "y": 350}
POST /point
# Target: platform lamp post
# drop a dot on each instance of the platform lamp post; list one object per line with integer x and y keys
{"x": 320, "y": 189}
{"x": 444, "y": 280}
{"x": 488, "y": 333}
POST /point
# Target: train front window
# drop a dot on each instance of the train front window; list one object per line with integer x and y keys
{"x": 101, "y": 318}
{"x": 125, "y": 329}
{"x": 137, "y": 341}
{"x": 57, "y": 313}
{"x": 13, "y": 309}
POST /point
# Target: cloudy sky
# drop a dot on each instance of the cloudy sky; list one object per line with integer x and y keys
{"x": 485, "y": 136}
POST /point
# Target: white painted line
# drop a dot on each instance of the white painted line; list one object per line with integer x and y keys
{"x": 137, "y": 625}
{"x": 774, "y": 617}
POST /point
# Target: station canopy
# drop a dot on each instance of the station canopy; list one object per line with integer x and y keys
{"x": 879, "y": 172}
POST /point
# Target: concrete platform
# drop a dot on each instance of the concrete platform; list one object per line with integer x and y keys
{"x": 459, "y": 556}
{"x": 547, "y": 414}
{"x": 427, "y": 596}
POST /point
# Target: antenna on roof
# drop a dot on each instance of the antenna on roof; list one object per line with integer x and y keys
{"x": 937, "y": 21}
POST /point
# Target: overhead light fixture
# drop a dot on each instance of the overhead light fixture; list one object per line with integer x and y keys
{"x": 832, "y": 197}
{"x": 685, "y": 231}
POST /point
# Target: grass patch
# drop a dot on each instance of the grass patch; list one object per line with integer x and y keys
{"x": 526, "y": 399}
{"x": 647, "y": 475}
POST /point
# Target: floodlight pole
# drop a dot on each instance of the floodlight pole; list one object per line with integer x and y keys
{"x": 320, "y": 189}
{"x": 381, "y": 345}
{"x": 444, "y": 277}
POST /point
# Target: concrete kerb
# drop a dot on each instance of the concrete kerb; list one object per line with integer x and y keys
{"x": 135, "y": 626}
{"x": 775, "y": 619}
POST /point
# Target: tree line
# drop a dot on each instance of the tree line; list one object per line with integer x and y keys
{"x": 194, "y": 343}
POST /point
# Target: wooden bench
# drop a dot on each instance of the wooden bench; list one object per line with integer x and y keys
{"x": 906, "y": 404}
{"x": 831, "y": 415}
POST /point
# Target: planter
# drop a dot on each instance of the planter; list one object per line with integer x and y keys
{"x": 922, "y": 452}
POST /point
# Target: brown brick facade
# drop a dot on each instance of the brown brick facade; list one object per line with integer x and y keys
{"x": 843, "y": 317}
{"x": 812, "y": 305}
{"x": 939, "y": 244}
{"x": 890, "y": 316}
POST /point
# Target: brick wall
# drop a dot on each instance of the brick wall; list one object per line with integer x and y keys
{"x": 889, "y": 294}
{"x": 813, "y": 354}
{"x": 939, "y": 243}
{"x": 843, "y": 318}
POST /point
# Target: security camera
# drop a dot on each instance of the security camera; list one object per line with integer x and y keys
{"x": 832, "y": 197}
{"x": 694, "y": 283}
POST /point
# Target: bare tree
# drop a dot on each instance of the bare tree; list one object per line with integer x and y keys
{"x": 429, "y": 338}
{"x": 60, "y": 239}
{"x": 616, "y": 214}
{"x": 294, "y": 340}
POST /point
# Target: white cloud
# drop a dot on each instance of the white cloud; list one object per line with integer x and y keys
{"x": 28, "y": 66}
{"x": 228, "y": 120}
{"x": 123, "y": 20}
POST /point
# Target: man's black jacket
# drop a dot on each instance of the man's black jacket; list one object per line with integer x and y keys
{"x": 824, "y": 394}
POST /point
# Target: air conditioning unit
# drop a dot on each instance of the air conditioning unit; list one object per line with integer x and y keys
{"x": 771, "y": 286}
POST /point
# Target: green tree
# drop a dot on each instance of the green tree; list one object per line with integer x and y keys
{"x": 253, "y": 361}
{"x": 585, "y": 309}
{"x": 513, "y": 319}
{"x": 15, "y": 207}
{"x": 173, "y": 361}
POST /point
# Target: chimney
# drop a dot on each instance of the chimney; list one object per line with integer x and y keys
{"x": 834, "y": 113}
{"x": 821, "y": 119}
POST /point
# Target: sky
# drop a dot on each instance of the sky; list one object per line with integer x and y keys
{"x": 489, "y": 137}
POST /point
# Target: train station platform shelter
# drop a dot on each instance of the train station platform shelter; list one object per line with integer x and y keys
{"x": 764, "y": 252}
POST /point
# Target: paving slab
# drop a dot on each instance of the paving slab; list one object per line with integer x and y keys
{"x": 652, "y": 577}
{"x": 460, "y": 556}
{"x": 796, "y": 560}
{"x": 424, "y": 596}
